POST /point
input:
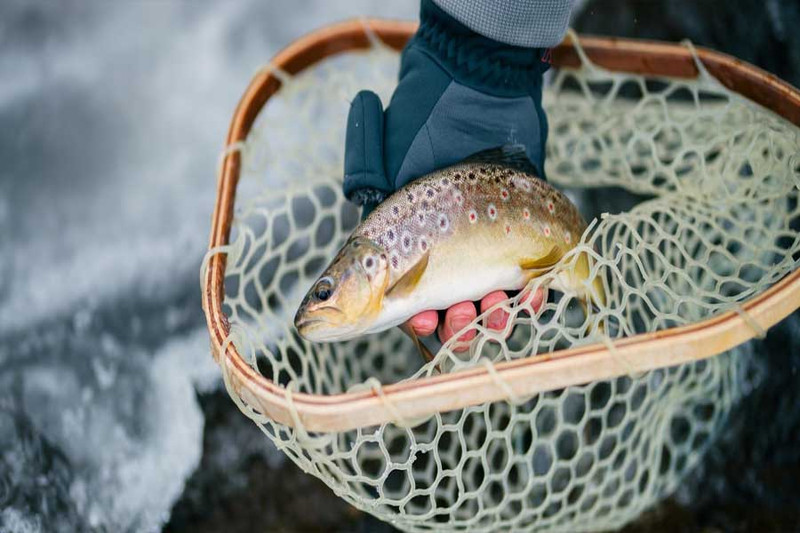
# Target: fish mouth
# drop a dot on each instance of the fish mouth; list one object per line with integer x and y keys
{"x": 324, "y": 330}
{"x": 306, "y": 322}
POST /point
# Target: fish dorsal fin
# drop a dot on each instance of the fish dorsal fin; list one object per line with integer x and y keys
{"x": 408, "y": 330}
{"x": 509, "y": 155}
{"x": 408, "y": 281}
{"x": 544, "y": 262}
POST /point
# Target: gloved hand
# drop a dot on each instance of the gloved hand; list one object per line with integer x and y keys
{"x": 458, "y": 93}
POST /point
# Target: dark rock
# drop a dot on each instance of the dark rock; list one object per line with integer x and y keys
{"x": 762, "y": 33}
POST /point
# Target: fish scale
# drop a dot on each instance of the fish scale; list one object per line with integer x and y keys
{"x": 454, "y": 235}
{"x": 469, "y": 202}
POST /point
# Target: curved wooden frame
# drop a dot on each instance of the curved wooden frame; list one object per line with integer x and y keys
{"x": 422, "y": 397}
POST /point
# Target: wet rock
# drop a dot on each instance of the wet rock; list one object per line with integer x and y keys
{"x": 762, "y": 33}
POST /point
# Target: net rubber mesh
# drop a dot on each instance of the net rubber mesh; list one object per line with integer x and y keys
{"x": 709, "y": 181}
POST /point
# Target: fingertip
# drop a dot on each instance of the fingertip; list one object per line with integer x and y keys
{"x": 499, "y": 318}
{"x": 424, "y": 323}
{"x": 535, "y": 299}
{"x": 492, "y": 299}
{"x": 456, "y": 318}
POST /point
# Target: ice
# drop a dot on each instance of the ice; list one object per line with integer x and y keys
{"x": 127, "y": 108}
{"x": 14, "y": 520}
{"x": 113, "y": 117}
{"x": 127, "y": 423}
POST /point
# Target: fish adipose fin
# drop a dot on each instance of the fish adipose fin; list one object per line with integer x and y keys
{"x": 545, "y": 262}
{"x": 408, "y": 281}
{"x": 423, "y": 350}
{"x": 509, "y": 155}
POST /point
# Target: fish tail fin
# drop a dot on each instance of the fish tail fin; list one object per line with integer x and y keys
{"x": 593, "y": 296}
{"x": 590, "y": 308}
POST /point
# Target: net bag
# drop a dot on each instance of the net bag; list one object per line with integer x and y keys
{"x": 565, "y": 421}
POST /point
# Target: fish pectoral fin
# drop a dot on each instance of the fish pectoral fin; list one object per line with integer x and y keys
{"x": 542, "y": 263}
{"x": 423, "y": 350}
{"x": 408, "y": 281}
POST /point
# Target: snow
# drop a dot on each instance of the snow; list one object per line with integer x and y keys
{"x": 114, "y": 115}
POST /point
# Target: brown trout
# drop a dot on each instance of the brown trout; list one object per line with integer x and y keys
{"x": 454, "y": 235}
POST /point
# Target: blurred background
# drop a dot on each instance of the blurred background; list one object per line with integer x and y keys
{"x": 112, "y": 414}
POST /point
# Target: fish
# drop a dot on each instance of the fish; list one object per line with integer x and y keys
{"x": 487, "y": 223}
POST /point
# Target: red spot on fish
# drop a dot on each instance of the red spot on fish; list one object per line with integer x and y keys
{"x": 492, "y": 211}
{"x": 526, "y": 214}
{"x": 504, "y": 194}
{"x": 551, "y": 207}
{"x": 473, "y": 216}
{"x": 508, "y": 229}
{"x": 547, "y": 231}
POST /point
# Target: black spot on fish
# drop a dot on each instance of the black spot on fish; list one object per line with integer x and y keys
{"x": 410, "y": 197}
{"x": 430, "y": 193}
{"x": 444, "y": 223}
{"x": 395, "y": 210}
{"x": 482, "y": 170}
{"x": 472, "y": 175}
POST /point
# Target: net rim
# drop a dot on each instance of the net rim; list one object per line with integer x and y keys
{"x": 523, "y": 377}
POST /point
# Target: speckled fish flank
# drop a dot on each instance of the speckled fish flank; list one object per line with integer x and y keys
{"x": 460, "y": 233}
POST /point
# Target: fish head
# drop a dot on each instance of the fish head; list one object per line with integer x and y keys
{"x": 348, "y": 296}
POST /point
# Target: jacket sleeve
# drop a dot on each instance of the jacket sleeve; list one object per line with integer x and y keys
{"x": 528, "y": 23}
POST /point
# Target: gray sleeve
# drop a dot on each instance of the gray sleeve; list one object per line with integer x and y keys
{"x": 529, "y": 23}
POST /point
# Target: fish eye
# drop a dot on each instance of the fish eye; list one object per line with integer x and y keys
{"x": 369, "y": 263}
{"x": 323, "y": 289}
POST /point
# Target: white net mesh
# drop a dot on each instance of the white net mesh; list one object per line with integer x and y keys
{"x": 713, "y": 224}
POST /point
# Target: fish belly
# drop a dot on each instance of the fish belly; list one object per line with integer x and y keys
{"x": 449, "y": 286}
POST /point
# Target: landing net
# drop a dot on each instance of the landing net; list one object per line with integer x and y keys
{"x": 709, "y": 181}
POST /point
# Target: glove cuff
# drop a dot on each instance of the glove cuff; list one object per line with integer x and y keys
{"x": 477, "y": 61}
{"x": 367, "y": 196}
